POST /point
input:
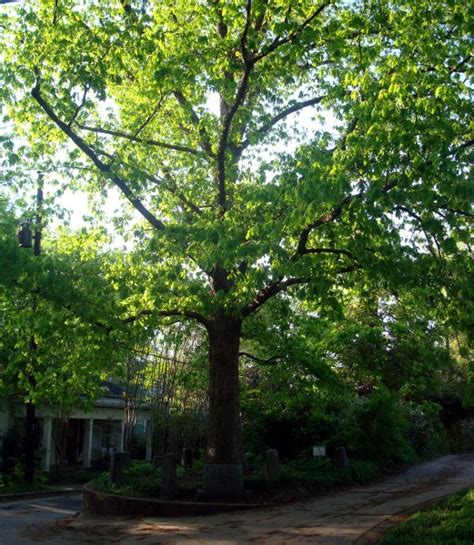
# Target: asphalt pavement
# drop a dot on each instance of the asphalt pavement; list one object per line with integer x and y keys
{"x": 39, "y": 520}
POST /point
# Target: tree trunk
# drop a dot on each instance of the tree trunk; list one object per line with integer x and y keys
{"x": 225, "y": 436}
{"x": 223, "y": 474}
{"x": 30, "y": 443}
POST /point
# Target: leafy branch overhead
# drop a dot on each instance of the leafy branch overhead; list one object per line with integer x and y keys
{"x": 209, "y": 120}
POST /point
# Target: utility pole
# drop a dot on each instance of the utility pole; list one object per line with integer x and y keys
{"x": 31, "y": 424}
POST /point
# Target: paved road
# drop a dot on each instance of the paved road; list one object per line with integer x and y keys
{"x": 347, "y": 517}
{"x": 34, "y": 521}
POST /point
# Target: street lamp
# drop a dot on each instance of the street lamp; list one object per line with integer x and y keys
{"x": 24, "y": 234}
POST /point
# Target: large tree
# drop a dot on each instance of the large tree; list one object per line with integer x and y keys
{"x": 199, "y": 112}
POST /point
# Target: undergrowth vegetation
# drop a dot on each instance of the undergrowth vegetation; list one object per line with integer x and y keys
{"x": 449, "y": 523}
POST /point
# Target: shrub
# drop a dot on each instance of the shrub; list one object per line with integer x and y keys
{"x": 322, "y": 473}
{"x": 376, "y": 428}
{"x": 140, "y": 479}
{"x": 426, "y": 432}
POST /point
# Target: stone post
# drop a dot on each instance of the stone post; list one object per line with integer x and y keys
{"x": 272, "y": 466}
{"x": 339, "y": 458}
{"x": 118, "y": 463}
{"x": 169, "y": 477}
{"x": 187, "y": 457}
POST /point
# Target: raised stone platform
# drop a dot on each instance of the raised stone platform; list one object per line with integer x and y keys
{"x": 103, "y": 504}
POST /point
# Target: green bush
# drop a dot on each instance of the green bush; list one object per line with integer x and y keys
{"x": 322, "y": 473}
{"x": 364, "y": 471}
{"x": 461, "y": 436}
{"x": 376, "y": 429}
{"x": 426, "y": 432}
{"x": 140, "y": 479}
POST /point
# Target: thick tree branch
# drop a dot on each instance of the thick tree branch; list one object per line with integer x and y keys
{"x": 243, "y": 39}
{"x": 278, "y": 41}
{"x": 458, "y": 211}
{"x": 461, "y": 64}
{"x": 223, "y": 143}
{"x": 189, "y": 314}
{"x": 465, "y": 145}
{"x": 227, "y": 124}
{"x": 205, "y": 140}
{"x": 334, "y": 251}
{"x": 103, "y": 168}
{"x": 271, "y": 290}
{"x": 331, "y": 216}
{"x": 258, "y": 360}
{"x": 146, "y": 141}
{"x": 274, "y": 288}
{"x": 166, "y": 183}
{"x": 282, "y": 115}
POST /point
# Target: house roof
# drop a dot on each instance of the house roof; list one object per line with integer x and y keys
{"x": 111, "y": 389}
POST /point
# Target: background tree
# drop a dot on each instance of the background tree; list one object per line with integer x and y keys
{"x": 53, "y": 350}
{"x": 175, "y": 103}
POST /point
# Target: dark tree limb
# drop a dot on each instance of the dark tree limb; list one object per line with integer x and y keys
{"x": 334, "y": 251}
{"x": 189, "y": 314}
{"x": 329, "y": 217}
{"x": 278, "y": 41}
{"x": 166, "y": 183}
{"x": 271, "y": 290}
{"x": 259, "y": 360}
{"x": 282, "y": 115}
{"x": 458, "y": 211}
{"x": 205, "y": 140}
{"x": 102, "y": 167}
{"x": 229, "y": 117}
{"x": 133, "y": 138}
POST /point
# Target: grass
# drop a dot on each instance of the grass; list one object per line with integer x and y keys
{"x": 449, "y": 523}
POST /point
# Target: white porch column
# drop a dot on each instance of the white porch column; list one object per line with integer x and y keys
{"x": 149, "y": 441}
{"x": 46, "y": 442}
{"x": 87, "y": 444}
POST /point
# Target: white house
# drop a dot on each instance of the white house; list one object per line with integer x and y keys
{"x": 90, "y": 435}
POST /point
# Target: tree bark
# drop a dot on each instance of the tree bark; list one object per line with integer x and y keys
{"x": 225, "y": 435}
{"x": 30, "y": 443}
